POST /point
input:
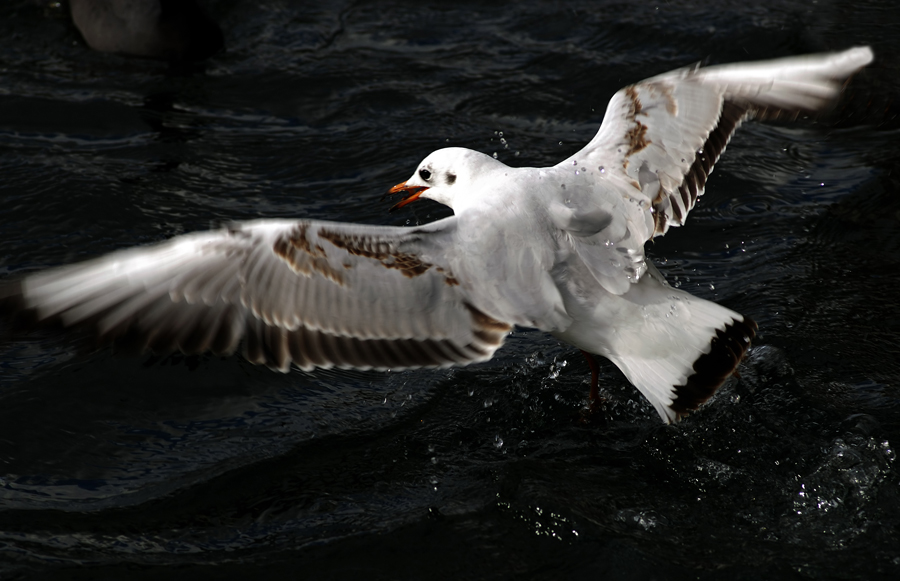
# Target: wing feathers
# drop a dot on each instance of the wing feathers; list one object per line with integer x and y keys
{"x": 314, "y": 294}
{"x": 669, "y": 208}
{"x": 676, "y": 125}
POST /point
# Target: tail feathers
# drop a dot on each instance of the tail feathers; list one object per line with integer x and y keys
{"x": 691, "y": 359}
{"x": 711, "y": 369}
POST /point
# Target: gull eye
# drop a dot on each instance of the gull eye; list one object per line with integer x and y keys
{"x": 425, "y": 174}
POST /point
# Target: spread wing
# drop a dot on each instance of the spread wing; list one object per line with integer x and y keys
{"x": 318, "y": 294}
{"x": 661, "y": 137}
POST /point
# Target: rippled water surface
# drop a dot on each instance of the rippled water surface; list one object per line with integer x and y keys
{"x": 206, "y": 467}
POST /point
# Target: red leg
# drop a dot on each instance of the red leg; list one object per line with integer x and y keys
{"x": 595, "y": 379}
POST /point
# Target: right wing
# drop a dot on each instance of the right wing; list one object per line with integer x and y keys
{"x": 316, "y": 294}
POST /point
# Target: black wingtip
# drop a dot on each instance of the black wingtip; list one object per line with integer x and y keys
{"x": 713, "y": 368}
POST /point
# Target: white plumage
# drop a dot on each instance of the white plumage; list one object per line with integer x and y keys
{"x": 557, "y": 248}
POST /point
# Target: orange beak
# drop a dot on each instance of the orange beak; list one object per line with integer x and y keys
{"x": 412, "y": 194}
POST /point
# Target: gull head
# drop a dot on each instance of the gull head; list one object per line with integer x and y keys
{"x": 446, "y": 176}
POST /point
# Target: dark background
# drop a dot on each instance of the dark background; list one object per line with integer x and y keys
{"x": 186, "y": 468}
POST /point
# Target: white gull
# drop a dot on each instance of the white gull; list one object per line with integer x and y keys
{"x": 558, "y": 248}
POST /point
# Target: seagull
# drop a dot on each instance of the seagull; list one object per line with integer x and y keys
{"x": 560, "y": 249}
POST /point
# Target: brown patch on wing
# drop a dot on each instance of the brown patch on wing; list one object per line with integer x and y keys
{"x": 295, "y": 244}
{"x": 637, "y": 138}
{"x": 408, "y": 264}
{"x": 671, "y": 104}
{"x": 637, "y": 107}
{"x": 727, "y": 349}
{"x": 694, "y": 180}
{"x": 487, "y": 329}
{"x": 449, "y": 279}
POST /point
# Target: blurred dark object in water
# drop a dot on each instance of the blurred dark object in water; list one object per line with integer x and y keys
{"x": 172, "y": 30}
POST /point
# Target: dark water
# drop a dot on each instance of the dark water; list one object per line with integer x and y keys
{"x": 213, "y": 468}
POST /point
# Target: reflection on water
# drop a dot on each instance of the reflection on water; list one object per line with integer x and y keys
{"x": 181, "y": 464}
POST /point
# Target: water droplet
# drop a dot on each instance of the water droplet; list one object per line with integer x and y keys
{"x": 575, "y": 162}
{"x": 560, "y": 142}
{"x": 585, "y": 169}
{"x": 495, "y": 155}
{"x": 602, "y": 169}
{"x": 498, "y": 441}
{"x": 712, "y": 286}
{"x": 500, "y": 133}
{"x": 700, "y": 151}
